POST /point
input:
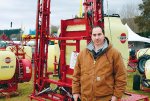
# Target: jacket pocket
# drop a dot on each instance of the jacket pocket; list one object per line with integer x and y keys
{"x": 86, "y": 85}
{"x": 103, "y": 87}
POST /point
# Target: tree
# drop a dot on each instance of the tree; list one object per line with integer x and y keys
{"x": 54, "y": 30}
{"x": 127, "y": 13}
{"x": 143, "y": 20}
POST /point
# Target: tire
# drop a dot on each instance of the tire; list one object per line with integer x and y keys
{"x": 136, "y": 82}
{"x": 141, "y": 63}
{"x": 145, "y": 82}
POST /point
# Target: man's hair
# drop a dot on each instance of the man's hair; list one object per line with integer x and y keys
{"x": 97, "y": 27}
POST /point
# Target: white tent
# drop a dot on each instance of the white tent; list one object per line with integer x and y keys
{"x": 132, "y": 36}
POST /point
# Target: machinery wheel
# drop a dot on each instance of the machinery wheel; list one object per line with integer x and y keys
{"x": 145, "y": 82}
{"x": 136, "y": 82}
{"x": 141, "y": 63}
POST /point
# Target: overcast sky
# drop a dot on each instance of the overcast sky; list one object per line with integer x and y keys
{"x": 23, "y": 12}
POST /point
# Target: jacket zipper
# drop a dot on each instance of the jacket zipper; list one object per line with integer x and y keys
{"x": 94, "y": 62}
{"x": 94, "y": 78}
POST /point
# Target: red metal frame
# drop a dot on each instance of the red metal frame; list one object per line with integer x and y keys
{"x": 145, "y": 89}
{"x": 134, "y": 97}
{"x": 41, "y": 49}
{"x": 41, "y": 78}
{"x": 132, "y": 65}
{"x": 94, "y": 7}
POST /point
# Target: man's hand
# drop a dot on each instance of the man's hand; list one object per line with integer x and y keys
{"x": 114, "y": 98}
{"x": 76, "y": 96}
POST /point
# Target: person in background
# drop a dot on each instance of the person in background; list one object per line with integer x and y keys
{"x": 99, "y": 73}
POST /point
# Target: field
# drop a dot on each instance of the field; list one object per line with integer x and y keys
{"x": 25, "y": 89}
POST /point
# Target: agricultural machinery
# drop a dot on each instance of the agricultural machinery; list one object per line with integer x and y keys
{"x": 142, "y": 81}
{"x": 15, "y": 66}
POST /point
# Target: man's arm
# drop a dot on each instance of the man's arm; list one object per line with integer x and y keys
{"x": 120, "y": 76}
{"x": 76, "y": 86}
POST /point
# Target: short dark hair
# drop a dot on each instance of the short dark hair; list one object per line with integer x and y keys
{"x": 97, "y": 27}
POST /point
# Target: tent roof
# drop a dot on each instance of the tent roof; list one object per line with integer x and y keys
{"x": 132, "y": 36}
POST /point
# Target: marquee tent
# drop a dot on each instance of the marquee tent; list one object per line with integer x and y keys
{"x": 132, "y": 36}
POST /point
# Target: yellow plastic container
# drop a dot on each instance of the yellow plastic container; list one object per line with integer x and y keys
{"x": 147, "y": 69}
{"x": 7, "y": 65}
{"x": 26, "y": 49}
{"x": 51, "y": 56}
{"x": 118, "y": 35}
{"x": 145, "y": 51}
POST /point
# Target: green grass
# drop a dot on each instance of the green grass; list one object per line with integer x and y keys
{"x": 25, "y": 89}
{"x": 130, "y": 85}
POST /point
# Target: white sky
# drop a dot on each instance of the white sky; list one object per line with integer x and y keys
{"x": 23, "y": 12}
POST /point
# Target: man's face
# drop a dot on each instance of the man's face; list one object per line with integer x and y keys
{"x": 97, "y": 36}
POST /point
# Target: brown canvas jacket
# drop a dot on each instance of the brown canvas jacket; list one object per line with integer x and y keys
{"x": 101, "y": 77}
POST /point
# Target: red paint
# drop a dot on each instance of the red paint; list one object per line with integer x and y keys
{"x": 7, "y": 60}
{"x": 123, "y": 38}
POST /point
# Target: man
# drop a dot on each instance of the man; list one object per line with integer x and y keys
{"x": 99, "y": 73}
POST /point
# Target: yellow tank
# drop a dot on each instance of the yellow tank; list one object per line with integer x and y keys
{"x": 147, "y": 69}
{"x": 7, "y": 65}
{"x": 117, "y": 34}
{"x": 51, "y": 56}
{"x": 143, "y": 52}
{"x": 26, "y": 49}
